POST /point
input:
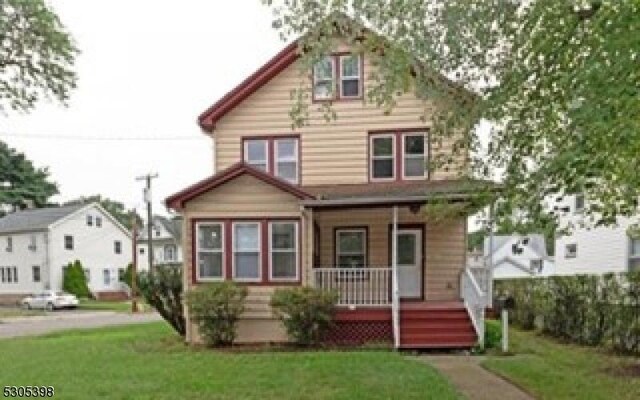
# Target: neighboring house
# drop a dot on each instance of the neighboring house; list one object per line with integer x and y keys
{"x": 518, "y": 256}
{"x": 166, "y": 238}
{"x": 315, "y": 206}
{"x": 588, "y": 250}
{"x": 37, "y": 244}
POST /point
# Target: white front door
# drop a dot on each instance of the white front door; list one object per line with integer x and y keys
{"x": 410, "y": 263}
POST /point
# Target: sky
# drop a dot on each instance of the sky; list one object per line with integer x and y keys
{"x": 147, "y": 70}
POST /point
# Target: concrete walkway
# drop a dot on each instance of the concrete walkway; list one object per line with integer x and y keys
{"x": 472, "y": 380}
{"x": 59, "y": 321}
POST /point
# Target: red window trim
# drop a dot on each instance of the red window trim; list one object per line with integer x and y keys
{"x": 271, "y": 162}
{"x": 398, "y": 161}
{"x": 227, "y": 262}
{"x": 337, "y": 77}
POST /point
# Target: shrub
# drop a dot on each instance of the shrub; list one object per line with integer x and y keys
{"x": 74, "y": 281}
{"x": 305, "y": 312}
{"x": 162, "y": 290}
{"x": 216, "y": 308}
{"x": 492, "y": 334}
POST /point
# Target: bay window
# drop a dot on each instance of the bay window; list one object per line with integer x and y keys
{"x": 283, "y": 249}
{"x": 210, "y": 251}
{"x": 246, "y": 251}
{"x": 351, "y": 247}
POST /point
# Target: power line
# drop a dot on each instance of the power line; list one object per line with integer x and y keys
{"x": 96, "y": 138}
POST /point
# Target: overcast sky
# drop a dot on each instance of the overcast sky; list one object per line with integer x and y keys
{"x": 147, "y": 69}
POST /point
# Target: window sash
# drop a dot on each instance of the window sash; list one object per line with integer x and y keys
{"x": 261, "y": 163}
{"x": 89, "y": 220}
{"x": 106, "y": 277}
{"x": 350, "y": 78}
{"x": 292, "y": 251}
{"x": 291, "y": 159}
{"x": 340, "y": 253}
{"x": 571, "y": 251}
{"x": 68, "y": 242}
{"x": 330, "y": 78}
{"x": 373, "y": 157}
{"x": 36, "y": 273}
{"x": 201, "y": 251}
{"x": 247, "y": 251}
{"x": 634, "y": 247}
{"x": 414, "y": 156}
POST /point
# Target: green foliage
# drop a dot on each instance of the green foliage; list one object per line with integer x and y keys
{"x": 128, "y": 275}
{"x": 74, "y": 280}
{"x": 113, "y": 207}
{"x": 305, "y": 312}
{"x": 162, "y": 290}
{"x": 36, "y": 55}
{"x": 492, "y": 334}
{"x": 26, "y": 182}
{"x": 556, "y": 80}
{"x": 586, "y": 309}
{"x": 216, "y": 308}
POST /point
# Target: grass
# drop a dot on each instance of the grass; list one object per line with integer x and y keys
{"x": 96, "y": 305}
{"x": 150, "y": 362}
{"x": 552, "y": 370}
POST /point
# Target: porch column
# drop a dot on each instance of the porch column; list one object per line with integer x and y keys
{"x": 395, "y": 296}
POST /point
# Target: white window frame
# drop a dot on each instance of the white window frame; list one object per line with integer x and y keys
{"x": 106, "y": 276}
{"x": 350, "y": 77}
{"x": 296, "y": 250}
{"x": 333, "y": 80}
{"x": 372, "y": 157}
{"x": 568, "y": 254}
{"x": 414, "y": 156}
{"x": 233, "y": 251}
{"x": 117, "y": 247}
{"x": 214, "y": 251}
{"x": 365, "y": 243}
{"x": 245, "y": 145}
{"x": 73, "y": 245}
{"x": 295, "y": 158}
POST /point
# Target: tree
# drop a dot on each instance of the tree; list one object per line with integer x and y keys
{"x": 74, "y": 280}
{"x": 557, "y": 80}
{"x": 24, "y": 182}
{"x": 36, "y": 55}
{"x": 113, "y": 207}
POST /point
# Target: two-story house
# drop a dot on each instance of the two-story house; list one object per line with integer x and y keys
{"x": 166, "y": 242}
{"x": 338, "y": 205}
{"x": 37, "y": 244}
{"x": 518, "y": 256}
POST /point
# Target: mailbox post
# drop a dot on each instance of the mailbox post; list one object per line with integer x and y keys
{"x": 505, "y": 303}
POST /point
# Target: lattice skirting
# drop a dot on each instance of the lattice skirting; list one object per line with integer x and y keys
{"x": 353, "y": 333}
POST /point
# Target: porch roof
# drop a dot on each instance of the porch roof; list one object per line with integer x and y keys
{"x": 388, "y": 193}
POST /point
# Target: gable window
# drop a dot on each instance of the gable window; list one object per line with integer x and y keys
{"x": 571, "y": 250}
{"x": 634, "y": 254}
{"x": 89, "y": 220}
{"x": 414, "y": 156}
{"x": 210, "y": 251}
{"x": 99, "y": 222}
{"x": 382, "y": 157}
{"x": 117, "y": 247}
{"x": 36, "y": 273}
{"x": 324, "y": 79}
{"x": 351, "y": 247}
{"x": 9, "y": 244}
{"x": 246, "y": 251}
{"x": 278, "y": 156}
{"x": 350, "y": 77}
{"x": 283, "y": 249}
{"x": 68, "y": 242}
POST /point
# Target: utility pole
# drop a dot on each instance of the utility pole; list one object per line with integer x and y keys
{"x": 147, "y": 198}
{"x": 134, "y": 262}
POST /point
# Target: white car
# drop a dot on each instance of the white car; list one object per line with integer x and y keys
{"x": 50, "y": 300}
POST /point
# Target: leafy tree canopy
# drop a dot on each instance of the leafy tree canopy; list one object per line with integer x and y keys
{"x": 36, "y": 55}
{"x": 21, "y": 181}
{"x": 557, "y": 80}
{"x": 113, "y": 207}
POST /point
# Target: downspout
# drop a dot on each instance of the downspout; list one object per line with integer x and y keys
{"x": 395, "y": 300}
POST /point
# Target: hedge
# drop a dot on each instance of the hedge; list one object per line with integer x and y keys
{"x": 594, "y": 310}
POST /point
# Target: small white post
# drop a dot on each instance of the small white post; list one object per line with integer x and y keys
{"x": 395, "y": 299}
{"x": 505, "y": 330}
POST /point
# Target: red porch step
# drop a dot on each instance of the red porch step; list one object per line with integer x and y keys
{"x": 436, "y": 325}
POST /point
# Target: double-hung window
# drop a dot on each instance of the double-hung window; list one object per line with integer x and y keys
{"x": 398, "y": 156}
{"x": 350, "y": 81}
{"x": 286, "y": 159}
{"x": 283, "y": 248}
{"x": 351, "y": 247}
{"x": 36, "y": 273}
{"x": 256, "y": 153}
{"x": 89, "y": 220}
{"x": 68, "y": 242}
{"x": 117, "y": 247}
{"x": 106, "y": 277}
{"x": 382, "y": 157}
{"x": 246, "y": 251}
{"x": 634, "y": 254}
{"x": 283, "y": 151}
{"x": 210, "y": 251}
{"x": 324, "y": 79}
{"x": 414, "y": 156}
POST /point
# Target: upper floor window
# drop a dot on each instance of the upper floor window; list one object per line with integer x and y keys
{"x": 9, "y": 244}
{"x": 89, "y": 220}
{"x": 68, "y": 242}
{"x": 579, "y": 206}
{"x": 338, "y": 77}
{"x": 33, "y": 242}
{"x": 634, "y": 254}
{"x": 98, "y": 222}
{"x": 278, "y": 156}
{"x": 388, "y": 162}
{"x": 36, "y": 273}
{"x": 117, "y": 247}
{"x": 571, "y": 250}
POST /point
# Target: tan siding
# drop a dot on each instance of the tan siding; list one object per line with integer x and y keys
{"x": 333, "y": 152}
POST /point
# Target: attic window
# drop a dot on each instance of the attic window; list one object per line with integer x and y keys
{"x": 350, "y": 76}
{"x": 324, "y": 79}
{"x": 338, "y": 77}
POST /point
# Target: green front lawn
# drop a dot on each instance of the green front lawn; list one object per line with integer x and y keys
{"x": 150, "y": 362}
{"x": 96, "y": 305}
{"x": 553, "y": 370}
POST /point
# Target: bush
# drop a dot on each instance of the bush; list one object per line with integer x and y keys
{"x": 162, "y": 290}
{"x": 306, "y": 312}
{"x": 74, "y": 281}
{"x": 492, "y": 334}
{"x": 216, "y": 308}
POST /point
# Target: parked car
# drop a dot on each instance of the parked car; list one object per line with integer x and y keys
{"x": 50, "y": 300}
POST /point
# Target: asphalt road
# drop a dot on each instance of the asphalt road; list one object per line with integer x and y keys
{"x": 64, "y": 320}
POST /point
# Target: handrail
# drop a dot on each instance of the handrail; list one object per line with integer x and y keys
{"x": 475, "y": 301}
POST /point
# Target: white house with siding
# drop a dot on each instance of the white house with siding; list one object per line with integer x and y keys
{"x": 166, "y": 239}
{"x": 518, "y": 256}
{"x": 36, "y": 245}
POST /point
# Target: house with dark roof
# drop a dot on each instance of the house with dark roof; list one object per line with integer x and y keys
{"x": 166, "y": 240}
{"x": 37, "y": 244}
{"x": 337, "y": 205}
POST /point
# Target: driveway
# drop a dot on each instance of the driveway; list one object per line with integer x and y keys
{"x": 63, "y": 320}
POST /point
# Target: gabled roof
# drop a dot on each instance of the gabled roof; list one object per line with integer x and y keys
{"x": 38, "y": 219}
{"x": 178, "y": 200}
{"x": 535, "y": 242}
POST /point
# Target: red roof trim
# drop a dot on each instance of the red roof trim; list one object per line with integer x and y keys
{"x": 277, "y": 64}
{"x": 178, "y": 200}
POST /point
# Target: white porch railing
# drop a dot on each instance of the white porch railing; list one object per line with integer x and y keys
{"x": 475, "y": 301}
{"x": 356, "y": 286}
